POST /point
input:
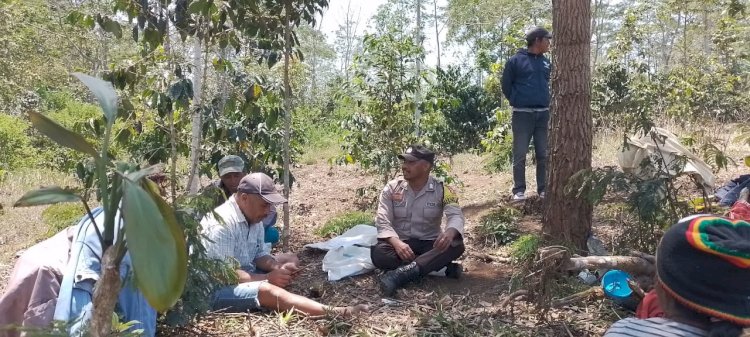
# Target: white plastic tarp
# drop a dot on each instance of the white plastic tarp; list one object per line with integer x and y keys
{"x": 349, "y": 253}
{"x": 363, "y": 235}
{"x": 639, "y": 150}
{"x": 347, "y": 261}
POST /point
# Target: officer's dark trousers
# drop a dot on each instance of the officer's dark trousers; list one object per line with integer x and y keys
{"x": 384, "y": 256}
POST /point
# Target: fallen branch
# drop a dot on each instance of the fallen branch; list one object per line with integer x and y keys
{"x": 593, "y": 292}
{"x": 631, "y": 264}
{"x": 513, "y": 296}
{"x": 635, "y": 265}
{"x": 490, "y": 258}
{"x": 648, "y": 257}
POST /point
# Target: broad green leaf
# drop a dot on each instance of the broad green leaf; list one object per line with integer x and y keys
{"x": 104, "y": 93}
{"x": 257, "y": 91}
{"x": 47, "y": 196}
{"x": 138, "y": 175}
{"x": 60, "y": 134}
{"x": 198, "y": 7}
{"x": 747, "y": 161}
{"x": 156, "y": 246}
{"x": 113, "y": 27}
{"x": 699, "y": 204}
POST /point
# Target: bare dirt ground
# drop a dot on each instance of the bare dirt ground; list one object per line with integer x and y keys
{"x": 434, "y": 307}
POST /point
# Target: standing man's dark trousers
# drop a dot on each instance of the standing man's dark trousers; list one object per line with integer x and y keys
{"x": 525, "y": 126}
{"x": 384, "y": 256}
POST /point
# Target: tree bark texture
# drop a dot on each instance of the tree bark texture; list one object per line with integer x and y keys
{"x": 632, "y": 264}
{"x": 643, "y": 265}
{"x": 567, "y": 220}
{"x": 106, "y": 291}
{"x": 196, "y": 118}
{"x": 287, "y": 119}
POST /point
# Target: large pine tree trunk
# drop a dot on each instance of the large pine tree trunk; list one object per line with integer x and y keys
{"x": 567, "y": 219}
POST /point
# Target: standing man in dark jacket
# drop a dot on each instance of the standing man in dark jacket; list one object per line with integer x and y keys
{"x": 526, "y": 86}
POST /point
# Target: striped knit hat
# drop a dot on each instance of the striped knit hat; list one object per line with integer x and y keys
{"x": 704, "y": 263}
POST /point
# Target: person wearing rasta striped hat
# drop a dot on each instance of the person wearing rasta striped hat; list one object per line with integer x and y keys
{"x": 703, "y": 281}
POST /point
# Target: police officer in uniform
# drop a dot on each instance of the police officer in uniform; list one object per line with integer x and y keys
{"x": 411, "y": 242}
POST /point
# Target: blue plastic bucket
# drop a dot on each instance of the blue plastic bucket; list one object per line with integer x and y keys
{"x": 615, "y": 286}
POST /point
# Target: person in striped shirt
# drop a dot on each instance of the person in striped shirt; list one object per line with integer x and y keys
{"x": 702, "y": 282}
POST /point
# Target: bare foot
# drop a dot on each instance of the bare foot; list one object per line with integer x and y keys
{"x": 352, "y": 310}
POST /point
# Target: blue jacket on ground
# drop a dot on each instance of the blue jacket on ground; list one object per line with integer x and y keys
{"x": 74, "y": 302}
{"x": 526, "y": 80}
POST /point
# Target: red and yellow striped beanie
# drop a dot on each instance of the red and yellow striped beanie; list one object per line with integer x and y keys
{"x": 704, "y": 263}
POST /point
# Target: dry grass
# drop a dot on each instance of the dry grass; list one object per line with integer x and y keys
{"x": 22, "y": 227}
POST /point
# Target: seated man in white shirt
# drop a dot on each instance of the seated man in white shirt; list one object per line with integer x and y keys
{"x": 238, "y": 234}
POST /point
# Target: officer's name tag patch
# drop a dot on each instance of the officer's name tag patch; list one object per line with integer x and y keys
{"x": 431, "y": 204}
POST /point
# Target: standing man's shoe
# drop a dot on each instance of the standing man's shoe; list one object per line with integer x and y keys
{"x": 520, "y": 196}
{"x": 394, "y": 279}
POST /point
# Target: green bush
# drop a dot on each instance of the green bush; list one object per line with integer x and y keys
{"x": 16, "y": 150}
{"x": 83, "y": 118}
{"x": 60, "y": 216}
{"x": 319, "y": 134}
{"x": 499, "y": 227}
{"x": 342, "y": 222}
{"x": 466, "y": 110}
{"x": 525, "y": 248}
{"x": 498, "y": 142}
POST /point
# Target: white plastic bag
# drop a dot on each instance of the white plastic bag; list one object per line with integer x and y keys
{"x": 361, "y": 235}
{"x": 347, "y": 261}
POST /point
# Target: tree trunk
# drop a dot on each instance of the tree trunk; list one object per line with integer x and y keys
{"x": 418, "y": 94}
{"x": 437, "y": 34}
{"x": 287, "y": 118}
{"x": 196, "y": 122}
{"x": 567, "y": 219}
{"x": 106, "y": 292}
{"x": 595, "y": 30}
{"x": 172, "y": 131}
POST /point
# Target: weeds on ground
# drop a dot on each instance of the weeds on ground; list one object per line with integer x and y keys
{"x": 525, "y": 248}
{"x": 499, "y": 227}
{"x": 343, "y": 222}
{"x": 286, "y": 317}
{"x": 523, "y": 253}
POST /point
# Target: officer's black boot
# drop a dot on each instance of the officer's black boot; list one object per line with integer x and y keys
{"x": 453, "y": 270}
{"x": 397, "y": 278}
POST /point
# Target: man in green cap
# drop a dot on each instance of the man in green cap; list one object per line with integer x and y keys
{"x": 231, "y": 170}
